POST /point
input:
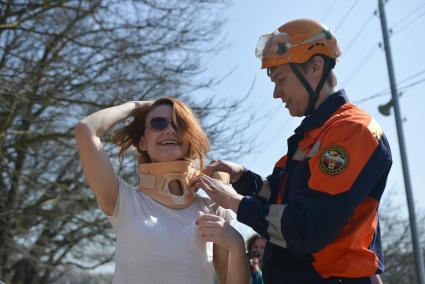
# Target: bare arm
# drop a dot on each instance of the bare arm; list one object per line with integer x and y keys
{"x": 221, "y": 262}
{"x": 96, "y": 165}
{"x": 229, "y": 255}
{"x": 237, "y": 265}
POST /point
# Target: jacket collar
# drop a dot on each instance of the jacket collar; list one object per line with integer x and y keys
{"x": 323, "y": 112}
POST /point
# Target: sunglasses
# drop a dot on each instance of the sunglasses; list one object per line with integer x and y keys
{"x": 160, "y": 123}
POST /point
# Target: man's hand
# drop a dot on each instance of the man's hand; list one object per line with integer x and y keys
{"x": 234, "y": 170}
{"x": 222, "y": 194}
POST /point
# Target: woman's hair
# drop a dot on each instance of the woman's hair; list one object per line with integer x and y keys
{"x": 185, "y": 121}
{"x": 251, "y": 241}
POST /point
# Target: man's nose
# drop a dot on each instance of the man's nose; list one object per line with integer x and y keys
{"x": 276, "y": 92}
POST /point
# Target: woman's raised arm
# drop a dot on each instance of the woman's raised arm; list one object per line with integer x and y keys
{"x": 96, "y": 165}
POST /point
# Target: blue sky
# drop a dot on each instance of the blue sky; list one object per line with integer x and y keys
{"x": 361, "y": 71}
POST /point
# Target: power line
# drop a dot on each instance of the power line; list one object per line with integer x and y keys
{"x": 346, "y": 15}
{"x": 263, "y": 127}
{"x": 371, "y": 97}
{"x": 360, "y": 30}
{"x": 328, "y": 11}
{"x": 361, "y": 64}
{"x": 408, "y": 16}
{"x": 409, "y": 23}
{"x": 408, "y": 86}
{"x": 272, "y": 139}
{"x": 412, "y": 76}
{"x": 387, "y": 91}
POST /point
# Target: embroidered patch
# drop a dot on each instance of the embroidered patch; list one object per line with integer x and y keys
{"x": 334, "y": 160}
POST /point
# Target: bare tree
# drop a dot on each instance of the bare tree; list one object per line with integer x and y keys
{"x": 82, "y": 277}
{"x": 397, "y": 245}
{"x": 60, "y": 60}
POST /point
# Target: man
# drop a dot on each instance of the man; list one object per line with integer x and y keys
{"x": 318, "y": 209}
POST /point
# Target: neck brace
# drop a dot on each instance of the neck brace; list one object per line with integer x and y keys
{"x": 155, "y": 179}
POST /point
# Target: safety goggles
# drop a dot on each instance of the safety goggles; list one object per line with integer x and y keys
{"x": 159, "y": 123}
{"x": 278, "y": 43}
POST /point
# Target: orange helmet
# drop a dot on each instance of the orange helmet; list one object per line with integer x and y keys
{"x": 295, "y": 42}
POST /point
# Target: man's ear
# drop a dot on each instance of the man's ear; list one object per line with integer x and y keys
{"x": 142, "y": 144}
{"x": 316, "y": 66}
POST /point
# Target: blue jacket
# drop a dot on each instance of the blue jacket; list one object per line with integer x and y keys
{"x": 318, "y": 209}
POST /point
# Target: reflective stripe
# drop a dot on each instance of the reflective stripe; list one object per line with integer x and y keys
{"x": 314, "y": 150}
{"x": 274, "y": 229}
{"x": 265, "y": 190}
{"x": 375, "y": 129}
{"x": 299, "y": 155}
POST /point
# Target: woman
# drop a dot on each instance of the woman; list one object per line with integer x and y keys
{"x": 157, "y": 238}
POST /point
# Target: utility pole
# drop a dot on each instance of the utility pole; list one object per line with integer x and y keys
{"x": 420, "y": 266}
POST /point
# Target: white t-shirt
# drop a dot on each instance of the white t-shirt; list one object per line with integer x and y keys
{"x": 157, "y": 244}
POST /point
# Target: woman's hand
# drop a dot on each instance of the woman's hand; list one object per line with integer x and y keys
{"x": 213, "y": 228}
{"x": 233, "y": 268}
{"x": 234, "y": 170}
{"x": 142, "y": 104}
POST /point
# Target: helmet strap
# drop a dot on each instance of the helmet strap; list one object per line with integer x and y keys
{"x": 314, "y": 94}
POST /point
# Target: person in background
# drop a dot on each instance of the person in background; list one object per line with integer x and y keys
{"x": 318, "y": 209}
{"x": 164, "y": 229}
{"x": 255, "y": 250}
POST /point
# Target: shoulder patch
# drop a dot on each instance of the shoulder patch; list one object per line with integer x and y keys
{"x": 334, "y": 160}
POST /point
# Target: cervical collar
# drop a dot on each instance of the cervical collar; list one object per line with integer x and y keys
{"x": 156, "y": 177}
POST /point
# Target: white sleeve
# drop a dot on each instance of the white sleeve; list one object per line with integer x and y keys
{"x": 124, "y": 190}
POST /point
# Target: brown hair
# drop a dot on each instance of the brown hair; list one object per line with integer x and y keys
{"x": 251, "y": 241}
{"x": 185, "y": 121}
